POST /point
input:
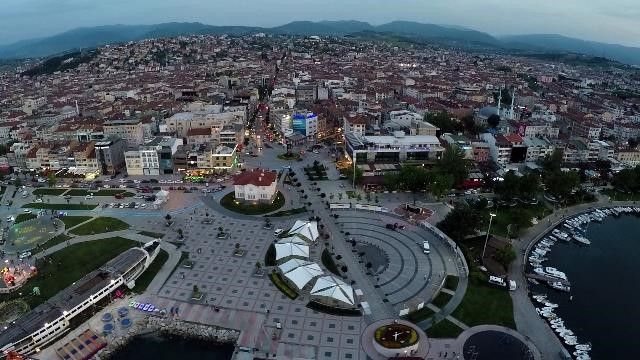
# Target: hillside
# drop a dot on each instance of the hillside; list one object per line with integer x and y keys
{"x": 82, "y": 38}
{"x": 559, "y": 43}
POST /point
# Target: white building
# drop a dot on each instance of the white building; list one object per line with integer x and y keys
{"x": 257, "y": 185}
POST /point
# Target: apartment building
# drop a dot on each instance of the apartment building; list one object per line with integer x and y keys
{"x": 110, "y": 155}
{"x": 131, "y": 130}
{"x": 153, "y": 158}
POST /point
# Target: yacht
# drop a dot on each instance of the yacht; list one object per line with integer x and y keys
{"x": 559, "y": 286}
{"x": 582, "y": 239}
{"x": 551, "y": 271}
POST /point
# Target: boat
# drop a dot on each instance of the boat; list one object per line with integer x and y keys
{"x": 582, "y": 239}
{"x": 553, "y": 272}
{"x": 559, "y": 286}
{"x": 583, "y": 347}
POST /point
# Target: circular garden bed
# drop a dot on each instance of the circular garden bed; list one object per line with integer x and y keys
{"x": 229, "y": 202}
{"x": 396, "y": 336}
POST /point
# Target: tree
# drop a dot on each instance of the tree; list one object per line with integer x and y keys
{"x": 453, "y": 162}
{"x": 357, "y": 174}
{"x": 505, "y": 256}
{"x": 440, "y": 184}
{"x": 391, "y": 181}
{"x": 493, "y": 121}
{"x": 17, "y": 182}
{"x": 180, "y": 234}
{"x": 413, "y": 178}
{"x": 553, "y": 162}
{"x": 633, "y": 143}
{"x": 168, "y": 217}
{"x": 51, "y": 180}
{"x": 460, "y": 222}
{"x": 509, "y": 188}
{"x": 444, "y": 122}
{"x": 530, "y": 186}
{"x": 561, "y": 183}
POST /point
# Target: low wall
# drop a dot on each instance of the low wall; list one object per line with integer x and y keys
{"x": 167, "y": 325}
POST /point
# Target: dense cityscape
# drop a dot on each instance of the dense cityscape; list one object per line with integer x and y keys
{"x": 309, "y": 197}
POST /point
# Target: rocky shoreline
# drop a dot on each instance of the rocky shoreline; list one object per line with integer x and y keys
{"x": 168, "y": 326}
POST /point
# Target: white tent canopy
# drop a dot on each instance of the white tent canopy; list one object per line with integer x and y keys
{"x": 300, "y": 272}
{"x": 292, "y": 239}
{"x": 305, "y": 229}
{"x": 333, "y": 288}
{"x": 286, "y": 249}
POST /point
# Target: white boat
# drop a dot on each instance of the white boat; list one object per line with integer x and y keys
{"x": 582, "y": 239}
{"x": 553, "y": 272}
{"x": 583, "y": 347}
{"x": 559, "y": 286}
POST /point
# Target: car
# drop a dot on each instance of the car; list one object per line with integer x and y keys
{"x": 286, "y": 167}
{"x": 8, "y": 203}
{"x": 137, "y": 206}
{"x": 89, "y": 197}
{"x": 278, "y": 231}
{"x": 162, "y": 181}
{"x": 138, "y": 196}
{"x": 136, "y": 181}
{"x": 122, "y": 181}
{"x": 123, "y": 186}
{"x": 112, "y": 205}
{"x": 316, "y": 152}
{"x": 425, "y": 247}
{"x": 26, "y": 211}
{"x": 24, "y": 255}
{"x": 38, "y": 200}
{"x": 106, "y": 186}
{"x": 10, "y": 218}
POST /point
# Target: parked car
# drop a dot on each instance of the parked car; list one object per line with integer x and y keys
{"x": 24, "y": 255}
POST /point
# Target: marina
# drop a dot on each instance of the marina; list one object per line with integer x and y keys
{"x": 551, "y": 290}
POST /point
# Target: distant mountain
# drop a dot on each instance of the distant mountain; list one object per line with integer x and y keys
{"x": 437, "y": 32}
{"x": 97, "y": 36}
{"x": 559, "y": 43}
{"x": 90, "y": 37}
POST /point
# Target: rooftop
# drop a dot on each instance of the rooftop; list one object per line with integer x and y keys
{"x": 257, "y": 177}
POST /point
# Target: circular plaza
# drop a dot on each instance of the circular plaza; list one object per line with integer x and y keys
{"x": 30, "y": 234}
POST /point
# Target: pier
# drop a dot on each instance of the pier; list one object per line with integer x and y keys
{"x": 547, "y": 278}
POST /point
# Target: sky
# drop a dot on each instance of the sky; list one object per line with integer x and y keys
{"x": 612, "y": 21}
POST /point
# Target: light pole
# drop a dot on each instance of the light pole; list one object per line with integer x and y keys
{"x": 354, "y": 169}
{"x": 491, "y": 216}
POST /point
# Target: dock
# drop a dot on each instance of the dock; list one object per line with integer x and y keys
{"x": 547, "y": 278}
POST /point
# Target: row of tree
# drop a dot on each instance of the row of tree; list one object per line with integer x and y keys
{"x": 450, "y": 170}
{"x": 627, "y": 180}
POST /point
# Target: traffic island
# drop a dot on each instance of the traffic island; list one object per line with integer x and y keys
{"x": 230, "y": 203}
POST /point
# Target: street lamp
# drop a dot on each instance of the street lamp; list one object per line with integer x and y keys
{"x": 491, "y": 216}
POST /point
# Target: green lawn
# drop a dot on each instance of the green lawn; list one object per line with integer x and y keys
{"x": 292, "y": 156}
{"x": 444, "y": 329}
{"x": 71, "y": 221}
{"x": 485, "y": 304}
{"x": 69, "y": 265}
{"x": 282, "y": 286}
{"x": 24, "y": 217}
{"x": 145, "y": 279}
{"x": 420, "y": 315}
{"x": 451, "y": 282}
{"x": 102, "y": 192}
{"x": 49, "y": 191}
{"x": 441, "y": 299}
{"x": 327, "y": 261}
{"x": 229, "y": 203}
{"x": 620, "y": 196}
{"x": 288, "y": 212}
{"x": 152, "y": 234}
{"x": 100, "y": 225}
{"x": 60, "y": 206}
{"x": 270, "y": 256}
{"x": 505, "y": 217}
{"x": 55, "y": 241}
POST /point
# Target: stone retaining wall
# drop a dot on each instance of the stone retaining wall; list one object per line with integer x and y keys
{"x": 166, "y": 325}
